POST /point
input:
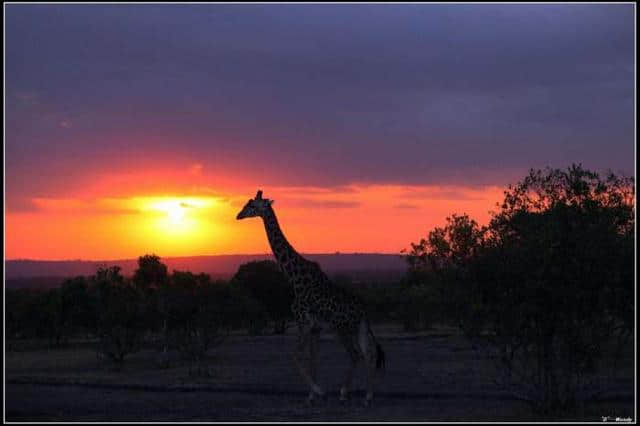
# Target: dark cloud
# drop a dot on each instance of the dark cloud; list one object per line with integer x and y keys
{"x": 320, "y": 94}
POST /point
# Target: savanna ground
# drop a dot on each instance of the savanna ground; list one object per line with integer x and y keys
{"x": 430, "y": 376}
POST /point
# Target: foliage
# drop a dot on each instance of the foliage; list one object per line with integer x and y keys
{"x": 383, "y": 301}
{"x": 195, "y": 322}
{"x": 54, "y": 314}
{"x": 117, "y": 306}
{"x": 548, "y": 283}
{"x": 76, "y": 314}
{"x": 151, "y": 273}
{"x": 152, "y": 280}
{"x": 557, "y": 275}
{"x": 271, "y": 292}
{"x": 438, "y": 284}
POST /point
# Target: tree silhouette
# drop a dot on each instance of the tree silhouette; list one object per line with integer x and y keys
{"x": 265, "y": 283}
{"x": 151, "y": 273}
{"x": 438, "y": 278}
{"x": 117, "y": 304}
{"x": 195, "y": 317}
{"x": 548, "y": 284}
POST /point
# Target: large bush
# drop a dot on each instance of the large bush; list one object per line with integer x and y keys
{"x": 548, "y": 284}
{"x": 556, "y": 276}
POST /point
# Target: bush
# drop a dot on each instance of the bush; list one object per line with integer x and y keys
{"x": 547, "y": 284}
{"x": 195, "y": 322}
{"x": 438, "y": 282}
{"x": 117, "y": 304}
{"x": 552, "y": 299}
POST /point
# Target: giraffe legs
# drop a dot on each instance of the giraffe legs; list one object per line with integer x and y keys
{"x": 368, "y": 347}
{"x": 307, "y": 340}
{"x": 312, "y": 362}
{"x": 348, "y": 343}
{"x": 371, "y": 375}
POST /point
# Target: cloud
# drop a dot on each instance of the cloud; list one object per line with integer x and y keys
{"x": 18, "y": 204}
{"x": 406, "y": 206}
{"x": 328, "y": 204}
{"x": 457, "y": 193}
{"x": 321, "y": 95}
{"x": 107, "y": 206}
{"x": 195, "y": 169}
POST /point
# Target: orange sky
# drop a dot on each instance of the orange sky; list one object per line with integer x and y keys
{"x": 190, "y": 212}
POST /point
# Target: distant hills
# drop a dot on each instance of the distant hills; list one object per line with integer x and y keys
{"x": 30, "y": 273}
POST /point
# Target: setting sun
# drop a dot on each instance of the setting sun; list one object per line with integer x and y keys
{"x": 182, "y": 220}
{"x": 180, "y": 213}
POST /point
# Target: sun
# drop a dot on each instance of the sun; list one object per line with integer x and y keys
{"x": 176, "y": 214}
{"x": 176, "y": 225}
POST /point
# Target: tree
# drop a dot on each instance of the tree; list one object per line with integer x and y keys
{"x": 265, "y": 283}
{"x": 195, "y": 322}
{"x": 548, "y": 284}
{"x": 152, "y": 280}
{"x": 117, "y": 304}
{"x": 438, "y": 282}
{"x": 556, "y": 278}
{"x": 151, "y": 273}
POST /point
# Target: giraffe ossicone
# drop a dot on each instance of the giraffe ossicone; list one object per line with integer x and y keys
{"x": 319, "y": 303}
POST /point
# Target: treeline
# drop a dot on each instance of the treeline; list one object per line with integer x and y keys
{"x": 180, "y": 311}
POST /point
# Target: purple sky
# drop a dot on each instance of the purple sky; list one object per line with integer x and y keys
{"x": 317, "y": 94}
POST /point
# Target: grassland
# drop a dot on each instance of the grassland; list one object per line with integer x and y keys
{"x": 430, "y": 376}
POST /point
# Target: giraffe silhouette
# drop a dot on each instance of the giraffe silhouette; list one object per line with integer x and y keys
{"x": 319, "y": 303}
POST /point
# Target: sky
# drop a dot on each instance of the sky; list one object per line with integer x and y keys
{"x": 132, "y": 129}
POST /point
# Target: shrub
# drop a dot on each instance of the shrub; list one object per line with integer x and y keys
{"x": 546, "y": 285}
{"x": 195, "y": 322}
{"x": 118, "y": 315}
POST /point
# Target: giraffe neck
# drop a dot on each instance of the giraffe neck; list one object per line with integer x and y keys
{"x": 282, "y": 250}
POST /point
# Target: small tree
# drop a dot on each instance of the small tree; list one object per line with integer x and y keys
{"x": 439, "y": 282}
{"x": 195, "y": 322}
{"x": 152, "y": 279}
{"x": 151, "y": 273}
{"x": 118, "y": 315}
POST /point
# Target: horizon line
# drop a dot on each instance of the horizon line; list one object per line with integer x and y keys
{"x": 199, "y": 255}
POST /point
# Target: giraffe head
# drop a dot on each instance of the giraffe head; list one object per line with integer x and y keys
{"x": 255, "y": 207}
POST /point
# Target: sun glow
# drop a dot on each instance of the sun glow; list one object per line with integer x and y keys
{"x": 177, "y": 215}
{"x": 357, "y": 219}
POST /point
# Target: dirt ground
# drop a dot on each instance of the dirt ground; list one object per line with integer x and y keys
{"x": 429, "y": 377}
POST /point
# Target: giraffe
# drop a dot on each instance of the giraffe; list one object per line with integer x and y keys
{"x": 318, "y": 304}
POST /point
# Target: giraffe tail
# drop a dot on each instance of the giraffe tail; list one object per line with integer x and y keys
{"x": 380, "y": 360}
{"x": 380, "y": 357}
